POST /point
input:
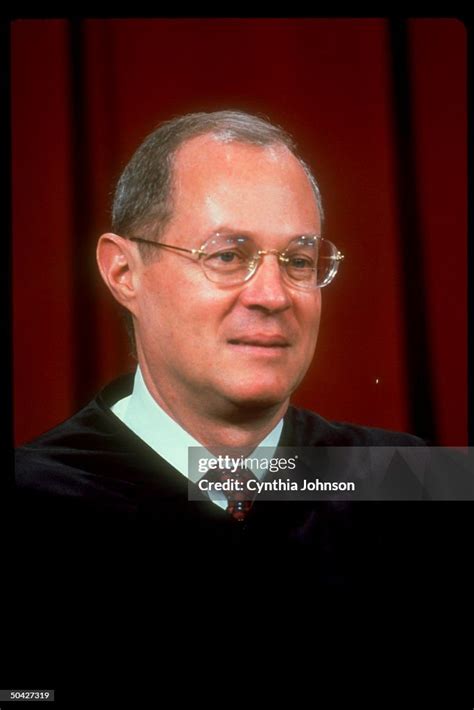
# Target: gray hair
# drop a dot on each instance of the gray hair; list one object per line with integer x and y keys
{"x": 143, "y": 200}
{"x": 143, "y": 196}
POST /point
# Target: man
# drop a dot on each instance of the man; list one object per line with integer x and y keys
{"x": 217, "y": 256}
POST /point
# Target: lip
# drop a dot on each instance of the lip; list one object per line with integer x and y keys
{"x": 260, "y": 341}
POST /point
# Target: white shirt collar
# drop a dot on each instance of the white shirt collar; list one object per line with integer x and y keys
{"x": 144, "y": 416}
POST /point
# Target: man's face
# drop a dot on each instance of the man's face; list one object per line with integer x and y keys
{"x": 247, "y": 345}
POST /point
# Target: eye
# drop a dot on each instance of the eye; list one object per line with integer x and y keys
{"x": 300, "y": 261}
{"x": 226, "y": 256}
{"x": 226, "y": 259}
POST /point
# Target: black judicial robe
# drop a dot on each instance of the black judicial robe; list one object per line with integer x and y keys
{"x": 91, "y": 478}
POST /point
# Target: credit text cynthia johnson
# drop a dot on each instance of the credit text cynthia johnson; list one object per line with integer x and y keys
{"x": 278, "y": 484}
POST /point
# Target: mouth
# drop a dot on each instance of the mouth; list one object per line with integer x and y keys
{"x": 267, "y": 342}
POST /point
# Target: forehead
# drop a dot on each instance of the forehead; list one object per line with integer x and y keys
{"x": 216, "y": 179}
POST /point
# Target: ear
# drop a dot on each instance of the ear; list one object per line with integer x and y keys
{"x": 118, "y": 265}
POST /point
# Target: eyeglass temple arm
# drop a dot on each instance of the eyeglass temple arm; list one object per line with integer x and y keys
{"x": 163, "y": 244}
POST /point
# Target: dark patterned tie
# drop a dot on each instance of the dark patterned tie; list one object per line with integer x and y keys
{"x": 239, "y": 498}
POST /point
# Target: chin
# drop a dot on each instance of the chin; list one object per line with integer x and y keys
{"x": 260, "y": 397}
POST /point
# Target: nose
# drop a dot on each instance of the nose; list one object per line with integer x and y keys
{"x": 266, "y": 289}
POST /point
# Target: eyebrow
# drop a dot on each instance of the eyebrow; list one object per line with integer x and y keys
{"x": 232, "y": 231}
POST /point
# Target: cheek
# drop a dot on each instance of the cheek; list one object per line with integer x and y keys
{"x": 185, "y": 306}
{"x": 310, "y": 316}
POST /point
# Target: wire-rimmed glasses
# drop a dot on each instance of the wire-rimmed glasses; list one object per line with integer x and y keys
{"x": 308, "y": 261}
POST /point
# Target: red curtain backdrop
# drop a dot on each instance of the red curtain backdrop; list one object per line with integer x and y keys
{"x": 84, "y": 95}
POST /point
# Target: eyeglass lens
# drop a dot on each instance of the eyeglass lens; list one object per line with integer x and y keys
{"x": 307, "y": 261}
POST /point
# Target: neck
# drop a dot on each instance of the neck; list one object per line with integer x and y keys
{"x": 217, "y": 427}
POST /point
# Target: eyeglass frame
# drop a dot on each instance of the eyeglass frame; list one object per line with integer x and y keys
{"x": 260, "y": 253}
